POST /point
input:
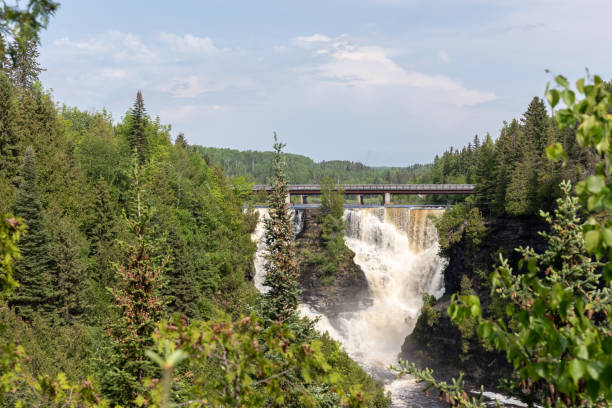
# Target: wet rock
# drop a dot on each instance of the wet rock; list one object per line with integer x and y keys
{"x": 439, "y": 346}
{"x": 346, "y": 289}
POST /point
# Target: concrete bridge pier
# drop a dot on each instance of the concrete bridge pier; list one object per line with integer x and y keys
{"x": 387, "y": 198}
{"x": 303, "y": 199}
{"x": 359, "y": 199}
{"x": 288, "y": 199}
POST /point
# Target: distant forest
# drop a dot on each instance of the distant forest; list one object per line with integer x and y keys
{"x": 257, "y": 167}
{"x": 511, "y": 173}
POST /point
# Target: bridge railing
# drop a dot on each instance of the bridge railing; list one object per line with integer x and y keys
{"x": 376, "y": 187}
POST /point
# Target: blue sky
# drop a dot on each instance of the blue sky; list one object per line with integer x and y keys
{"x": 385, "y": 82}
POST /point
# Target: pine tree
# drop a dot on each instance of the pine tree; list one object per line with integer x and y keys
{"x": 281, "y": 264}
{"x": 138, "y": 303}
{"x": 32, "y": 269}
{"x": 137, "y": 135}
{"x": 9, "y": 149}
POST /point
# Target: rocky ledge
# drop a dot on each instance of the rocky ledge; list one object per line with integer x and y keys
{"x": 437, "y": 343}
{"x": 346, "y": 289}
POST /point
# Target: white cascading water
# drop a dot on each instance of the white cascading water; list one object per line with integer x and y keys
{"x": 397, "y": 249}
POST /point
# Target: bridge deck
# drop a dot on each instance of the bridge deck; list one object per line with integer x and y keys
{"x": 365, "y": 189}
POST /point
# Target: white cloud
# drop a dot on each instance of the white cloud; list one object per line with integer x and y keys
{"x": 114, "y": 44}
{"x": 188, "y": 43}
{"x": 309, "y": 41}
{"x": 443, "y": 57}
{"x": 372, "y": 66}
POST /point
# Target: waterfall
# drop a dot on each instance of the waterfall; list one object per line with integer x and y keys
{"x": 397, "y": 249}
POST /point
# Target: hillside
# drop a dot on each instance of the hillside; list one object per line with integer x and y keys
{"x": 257, "y": 167}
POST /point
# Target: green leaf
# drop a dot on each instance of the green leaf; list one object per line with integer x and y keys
{"x": 580, "y": 85}
{"x": 575, "y": 370}
{"x": 553, "y": 97}
{"x": 568, "y": 97}
{"x": 562, "y": 81}
{"x": 555, "y": 152}
{"x": 595, "y": 184}
{"x": 591, "y": 240}
{"x": 484, "y": 330}
{"x": 606, "y": 233}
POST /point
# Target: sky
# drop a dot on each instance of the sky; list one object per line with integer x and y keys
{"x": 384, "y": 82}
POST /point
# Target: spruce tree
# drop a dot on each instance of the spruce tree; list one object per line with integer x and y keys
{"x": 9, "y": 149}
{"x": 520, "y": 192}
{"x": 536, "y": 123}
{"x": 25, "y": 68}
{"x": 508, "y": 153}
{"x": 70, "y": 280}
{"x": 137, "y": 136}
{"x": 137, "y": 301}
{"x": 281, "y": 264}
{"x": 485, "y": 172}
{"x": 182, "y": 290}
{"x": 32, "y": 269}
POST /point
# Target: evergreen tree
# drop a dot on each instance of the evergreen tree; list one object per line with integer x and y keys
{"x": 182, "y": 289}
{"x": 9, "y": 149}
{"x": 520, "y": 193}
{"x": 181, "y": 141}
{"x": 137, "y": 136}
{"x": 485, "y": 172}
{"x": 100, "y": 230}
{"x": 32, "y": 269}
{"x": 71, "y": 276}
{"x": 138, "y": 303}
{"x": 281, "y": 264}
{"x": 536, "y": 123}
{"x": 25, "y": 68}
{"x": 508, "y": 152}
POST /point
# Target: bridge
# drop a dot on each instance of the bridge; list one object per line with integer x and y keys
{"x": 386, "y": 190}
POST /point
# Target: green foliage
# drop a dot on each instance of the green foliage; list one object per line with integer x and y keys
{"x": 22, "y": 23}
{"x": 332, "y": 227}
{"x": 559, "y": 345}
{"x": 457, "y": 222}
{"x": 244, "y": 363}
{"x": 36, "y": 286}
{"x": 136, "y": 298}
{"x": 137, "y": 137}
{"x": 10, "y": 233}
{"x": 257, "y": 167}
{"x": 429, "y": 315}
{"x": 9, "y": 149}
{"x": 466, "y": 327}
{"x": 281, "y": 263}
{"x": 332, "y": 197}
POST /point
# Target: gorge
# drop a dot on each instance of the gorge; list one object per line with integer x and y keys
{"x": 396, "y": 250}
